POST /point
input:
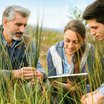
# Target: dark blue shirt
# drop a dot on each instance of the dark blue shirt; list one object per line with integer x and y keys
{"x": 17, "y": 55}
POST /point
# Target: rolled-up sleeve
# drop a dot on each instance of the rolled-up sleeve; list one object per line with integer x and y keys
{"x": 101, "y": 89}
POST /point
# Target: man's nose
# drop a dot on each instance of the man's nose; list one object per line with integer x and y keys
{"x": 22, "y": 28}
{"x": 93, "y": 32}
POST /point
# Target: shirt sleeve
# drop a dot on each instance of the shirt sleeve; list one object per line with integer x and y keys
{"x": 40, "y": 68}
{"x": 101, "y": 89}
{"x": 51, "y": 68}
{"x": 33, "y": 58}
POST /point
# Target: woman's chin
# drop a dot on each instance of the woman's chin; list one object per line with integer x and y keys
{"x": 70, "y": 53}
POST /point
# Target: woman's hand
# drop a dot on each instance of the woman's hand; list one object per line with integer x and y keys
{"x": 67, "y": 86}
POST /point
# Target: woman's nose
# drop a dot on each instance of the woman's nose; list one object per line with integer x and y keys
{"x": 70, "y": 45}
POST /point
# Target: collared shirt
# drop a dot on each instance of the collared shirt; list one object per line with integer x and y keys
{"x": 15, "y": 57}
{"x": 68, "y": 68}
{"x": 16, "y": 53}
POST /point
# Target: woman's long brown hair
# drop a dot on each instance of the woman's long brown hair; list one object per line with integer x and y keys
{"x": 78, "y": 27}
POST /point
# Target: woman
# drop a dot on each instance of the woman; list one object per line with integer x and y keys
{"x": 72, "y": 55}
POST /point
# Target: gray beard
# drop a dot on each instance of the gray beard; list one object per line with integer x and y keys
{"x": 13, "y": 36}
{"x": 16, "y": 38}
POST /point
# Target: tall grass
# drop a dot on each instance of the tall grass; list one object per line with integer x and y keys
{"x": 17, "y": 91}
{"x": 39, "y": 93}
{"x": 95, "y": 78}
{"x": 23, "y": 94}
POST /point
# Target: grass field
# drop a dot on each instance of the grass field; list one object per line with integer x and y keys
{"x": 41, "y": 92}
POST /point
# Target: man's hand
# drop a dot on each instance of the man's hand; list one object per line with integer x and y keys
{"x": 25, "y": 73}
{"x": 91, "y": 98}
{"x": 38, "y": 75}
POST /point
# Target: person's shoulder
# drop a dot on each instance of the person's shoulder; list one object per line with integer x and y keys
{"x": 60, "y": 44}
{"x": 57, "y": 45}
{"x": 90, "y": 46}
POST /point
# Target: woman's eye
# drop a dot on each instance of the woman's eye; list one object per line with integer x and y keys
{"x": 76, "y": 42}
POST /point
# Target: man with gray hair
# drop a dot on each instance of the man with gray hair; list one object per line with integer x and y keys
{"x": 16, "y": 49}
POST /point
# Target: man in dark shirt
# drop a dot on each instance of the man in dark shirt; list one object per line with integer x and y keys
{"x": 17, "y": 51}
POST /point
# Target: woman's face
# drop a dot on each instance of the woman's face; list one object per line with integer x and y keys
{"x": 71, "y": 42}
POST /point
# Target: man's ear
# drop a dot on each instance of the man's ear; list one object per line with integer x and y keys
{"x": 5, "y": 21}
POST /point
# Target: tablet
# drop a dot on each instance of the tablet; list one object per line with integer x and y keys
{"x": 73, "y": 77}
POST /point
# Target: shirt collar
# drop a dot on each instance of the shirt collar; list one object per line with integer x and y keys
{"x": 15, "y": 42}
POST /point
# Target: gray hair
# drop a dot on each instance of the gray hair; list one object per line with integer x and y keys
{"x": 10, "y": 11}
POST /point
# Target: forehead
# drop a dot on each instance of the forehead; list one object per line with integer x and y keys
{"x": 93, "y": 23}
{"x": 70, "y": 34}
{"x": 19, "y": 19}
{"x": 19, "y": 16}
